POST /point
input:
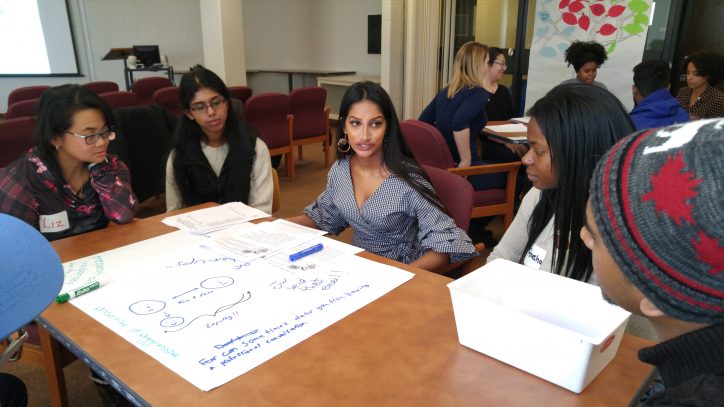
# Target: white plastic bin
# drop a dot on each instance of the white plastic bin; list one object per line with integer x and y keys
{"x": 554, "y": 327}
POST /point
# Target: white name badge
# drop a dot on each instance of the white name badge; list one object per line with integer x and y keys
{"x": 535, "y": 256}
{"x": 56, "y": 222}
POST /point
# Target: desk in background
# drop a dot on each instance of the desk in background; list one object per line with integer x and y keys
{"x": 505, "y": 137}
{"x": 128, "y": 74}
{"x": 291, "y": 72}
{"x": 401, "y": 349}
{"x": 336, "y": 86}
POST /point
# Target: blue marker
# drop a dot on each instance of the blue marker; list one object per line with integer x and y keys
{"x": 306, "y": 252}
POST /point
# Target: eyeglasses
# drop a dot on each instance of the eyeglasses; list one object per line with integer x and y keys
{"x": 202, "y": 107}
{"x": 107, "y": 134}
{"x": 503, "y": 64}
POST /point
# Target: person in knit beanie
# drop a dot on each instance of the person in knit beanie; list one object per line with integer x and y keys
{"x": 654, "y": 226}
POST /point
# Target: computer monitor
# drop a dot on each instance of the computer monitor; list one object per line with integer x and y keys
{"x": 147, "y": 55}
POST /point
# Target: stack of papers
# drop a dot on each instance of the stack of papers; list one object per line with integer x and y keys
{"x": 203, "y": 221}
{"x": 524, "y": 120}
{"x": 508, "y": 128}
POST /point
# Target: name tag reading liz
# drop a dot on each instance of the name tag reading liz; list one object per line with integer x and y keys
{"x": 56, "y": 222}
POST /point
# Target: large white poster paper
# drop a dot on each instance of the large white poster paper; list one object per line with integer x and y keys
{"x": 620, "y": 26}
{"x": 210, "y": 318}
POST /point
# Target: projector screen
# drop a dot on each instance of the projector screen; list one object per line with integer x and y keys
{"x": 36, "y": 39}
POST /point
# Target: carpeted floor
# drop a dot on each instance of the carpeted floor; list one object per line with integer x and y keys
{"x": 311, "y": 180}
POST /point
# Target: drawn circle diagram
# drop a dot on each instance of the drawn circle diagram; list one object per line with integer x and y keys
{"x": 217, "y": 282}
{"x": 147, "y": 307}
{"x": 171, "y": 322}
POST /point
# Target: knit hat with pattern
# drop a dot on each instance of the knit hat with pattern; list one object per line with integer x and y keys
{"x": 658, "y": 201}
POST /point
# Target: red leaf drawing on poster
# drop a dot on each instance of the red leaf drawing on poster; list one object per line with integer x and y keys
{"x": 569, "y": 18}
{"x": 575, "y": 7}
{"x": 607, "y": 29}
{"x": 563, "y": 4}
{"x": 598, "y": 9}
{"x": 584, "y": 22}
{"x": 616, "y": 10}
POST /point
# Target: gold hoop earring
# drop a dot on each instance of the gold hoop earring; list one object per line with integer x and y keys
{"x": 342, "y": 143}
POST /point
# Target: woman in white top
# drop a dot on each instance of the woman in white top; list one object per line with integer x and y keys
{"x": 571, "y": 127}
{"x": 216, "y": 158}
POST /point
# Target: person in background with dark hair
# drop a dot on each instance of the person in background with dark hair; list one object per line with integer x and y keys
{"x": 67, "y": 184}
{"x": 500, "y": 107}
{"x": 217, "y": 158}
{"x": 653, "y": 225}
{"x": 655, "y": 107}
{"x": 500, "y": 103}
{"x": 378, "y": 189}
{"x": 700, "y": 98}
{"x": 571, "y": 127}
{"x": 586, "y": 58}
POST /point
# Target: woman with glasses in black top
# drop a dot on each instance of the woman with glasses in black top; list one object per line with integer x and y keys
{"x": 217, "y": 158}
{"x": 68, "y": 184}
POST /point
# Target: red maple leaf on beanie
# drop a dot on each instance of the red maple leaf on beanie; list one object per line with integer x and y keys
{"x": 709, "y": 251}
{"x": 671, "y": 189}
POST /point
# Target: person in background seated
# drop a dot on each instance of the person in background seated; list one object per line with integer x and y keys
{"x": 586, "y": 58}
{"x": 216, "y": 157}
{"x": 458, "y": 111}
{"x": 500, "y": 107}
{"x": 700, "y": 98}
{"x": 655, "y": 107}
{"x": 378, "y": 189}
{"x": 571, "y": 127}
{"x": 67, "y": 184}
{"x": 500, "y": 103}
{"x": 654, "y": 227}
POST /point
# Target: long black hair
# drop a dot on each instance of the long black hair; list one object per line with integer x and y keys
{"x": 56, "y": 108}
{"x": 187, "y": 150}
{"x": 580, "y": 122}
{"x": 397, "y": 156}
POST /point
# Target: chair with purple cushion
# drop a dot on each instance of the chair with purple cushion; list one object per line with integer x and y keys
{"x": 23, "y": 108}
{"x": 457, "y": 196}
{"x": 120, "y": 99}
{"x": 242, "y": 93}
{"x": 311, "y": 118}
{"x": 269, "y": 114}
{"x": 145, "y": 87}
{"x": 99, "y": 87}
{"x": 26, "y": 92}
{"x": 169, "y": 98}
{"x": 16, "y": 138}
{"x": 429, "y": 148}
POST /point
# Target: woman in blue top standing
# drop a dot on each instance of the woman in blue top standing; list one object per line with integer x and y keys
{"x": 458, "y": 111}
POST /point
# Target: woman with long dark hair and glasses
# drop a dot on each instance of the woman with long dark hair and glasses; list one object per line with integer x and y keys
{"x": 68, "y": 184}
{"x": 216, "y": 157}
{"x": 378, "y": 189}
{"x": 571, "y": 127}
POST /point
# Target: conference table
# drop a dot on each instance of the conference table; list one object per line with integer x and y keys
{"x": 399, "y": 350}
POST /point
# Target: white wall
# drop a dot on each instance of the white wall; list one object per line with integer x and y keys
{"x": 307, "y": 34}
{"x": 174, "y": 25}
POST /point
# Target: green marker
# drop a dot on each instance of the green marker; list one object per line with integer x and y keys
{"x": 80, "y": 291}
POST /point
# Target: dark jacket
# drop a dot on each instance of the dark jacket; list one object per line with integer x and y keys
{"x": 658, "y": 109}
{"x": 692, "y": 368}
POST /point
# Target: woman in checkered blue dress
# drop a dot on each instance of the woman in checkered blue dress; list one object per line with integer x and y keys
{"x": 378, "y": 189}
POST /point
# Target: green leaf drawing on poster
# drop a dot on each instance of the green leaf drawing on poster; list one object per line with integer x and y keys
{"x": 611, "y": 47}
{"x": 633, "y": 29}
{"x": 638, "y": 6}
{"x": 641, "y": 18}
